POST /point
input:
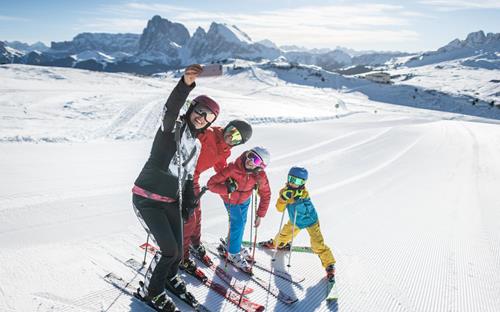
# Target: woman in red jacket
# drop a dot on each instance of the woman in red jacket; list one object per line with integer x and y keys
{"x": 216, "y": 144}
{"x": 235, "y": 184}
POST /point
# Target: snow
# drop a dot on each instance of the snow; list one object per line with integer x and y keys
{"x": 455, "y": 77}
{"x": 93, "y": 55}
{"x": 231, "y": 33}
{"x": 407, "y": 197}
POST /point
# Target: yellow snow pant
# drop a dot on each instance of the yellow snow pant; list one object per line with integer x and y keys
{"x": 317, "y": 243}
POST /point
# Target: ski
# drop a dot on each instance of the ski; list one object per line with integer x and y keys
{"x": 303, "y": 249}
{"x": 226, "y": 277}
{"x": 128, "y": 289}
{"x": 281, "y": 274}
{"x": 237, "y": 299}
{"x": 331, "y": 291}
{"x": 189, "y": 299}
{"x": 223, "y": 275}
{"x": 281, "y": 296}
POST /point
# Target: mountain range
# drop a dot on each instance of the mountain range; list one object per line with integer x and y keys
{"x": 165, "y": 45}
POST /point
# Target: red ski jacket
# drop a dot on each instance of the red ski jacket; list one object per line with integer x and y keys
{"x": 214, "y": 152}
{"x": 246, "y": 181}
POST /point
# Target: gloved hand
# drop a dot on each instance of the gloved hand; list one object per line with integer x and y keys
{"x": 231, "y": 185}
{"x": 300, "y": 194}
{"x": 289, "y": 194}
{"x": 286, "y": 193}
{"x": 189, "y": 200}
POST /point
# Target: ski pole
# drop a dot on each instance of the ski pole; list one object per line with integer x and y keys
{"x": 228, "y": 231}
{"x": 253, "y": 251}
{"x": 277, "y": 235}
{"x": 251, "y": 219}
{"x": 254, "y": 208}
{"x": 177, "y": 137}
{"x": 293, "y": 232}
{"x": 146, "y": 250}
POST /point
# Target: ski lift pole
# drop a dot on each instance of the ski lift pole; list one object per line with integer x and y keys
{"x": 293, "y": 232}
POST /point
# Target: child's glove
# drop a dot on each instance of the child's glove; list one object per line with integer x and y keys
{"x": 231, "y": 185}
{"x": 286, "y": 194}
{"x": 300, "y": 194}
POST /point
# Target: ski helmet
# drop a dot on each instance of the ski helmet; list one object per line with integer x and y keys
{"x": 207, "y": 102}
{"x": 243, "y": 127}
{"x": 298, "y": 172}
{"x": 263, "y": 154}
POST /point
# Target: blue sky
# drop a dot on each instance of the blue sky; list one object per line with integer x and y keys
{"x": 362, "y": 25}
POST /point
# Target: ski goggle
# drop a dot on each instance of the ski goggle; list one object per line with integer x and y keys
{"x": 234, "y": 134}
{"x": 296, "y": 181}
{"x": 205, "y": 112}
{"x": 256, "y": 160}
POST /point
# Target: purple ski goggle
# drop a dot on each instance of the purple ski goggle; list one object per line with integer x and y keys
{"x": 256, "y": 160}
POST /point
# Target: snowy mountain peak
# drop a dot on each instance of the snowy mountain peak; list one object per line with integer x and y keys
{"x": 268, "y": 43}
{"x": 474, "y": 40}
{"x": 474, "y": 45}
{"x": 160, "y": 33}
{"x": 228, "y": 33}
{"x": 26, "y": 48}
{"x": 103, "y": 42}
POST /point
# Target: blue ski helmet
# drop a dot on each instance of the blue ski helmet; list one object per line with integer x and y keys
{"x": 298, "y": 172}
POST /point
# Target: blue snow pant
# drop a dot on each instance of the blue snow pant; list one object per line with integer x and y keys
{"x": 237, "y": 222}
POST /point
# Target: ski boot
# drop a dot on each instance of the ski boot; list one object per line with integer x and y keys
{"x": 267, "y": 244}
{"x": 245, "y": 253}
{"x": 284, "y": 247}
{"x": 159, "y": 303}
{"x": 188, "y": 265}
{"x": 240, "y": 262}
{"x": 177, "y": 286}
{"x": 330, "y": 272}
{"x": 200, "y": 253}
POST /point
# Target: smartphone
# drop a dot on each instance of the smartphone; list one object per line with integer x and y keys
{"x": 211, "y": 70}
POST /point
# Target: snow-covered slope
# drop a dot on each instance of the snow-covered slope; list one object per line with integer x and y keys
{"x": 406, "y": 196}
{"x": 455, "y": 77}
{"x": 41, "y": 103}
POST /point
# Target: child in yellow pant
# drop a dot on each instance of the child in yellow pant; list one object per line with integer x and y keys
{"x": 295, "y": 198}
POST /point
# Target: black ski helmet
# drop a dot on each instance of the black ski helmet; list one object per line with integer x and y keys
{"x": 243, "y": 127}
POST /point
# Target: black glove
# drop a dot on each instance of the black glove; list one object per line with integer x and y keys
{"x": 231, "y": 185}
{"x": 189, "y": 200}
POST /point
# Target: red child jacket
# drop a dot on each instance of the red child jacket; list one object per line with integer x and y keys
{"x": 214, "y": 153}
{"x": 246, "y": 181}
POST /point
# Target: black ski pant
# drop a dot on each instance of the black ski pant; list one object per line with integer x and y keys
{"x": 163, "y": 221}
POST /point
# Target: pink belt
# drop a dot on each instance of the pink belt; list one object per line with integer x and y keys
{"x": 147, "y": 194}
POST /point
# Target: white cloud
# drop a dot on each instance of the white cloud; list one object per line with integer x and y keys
{"x": 12, "y": 18}
{"x": 325, "y": 26}
{"x": 312, "y": 26}
{"x": 113, "y": 25}
{"x": 453, "y": 5}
